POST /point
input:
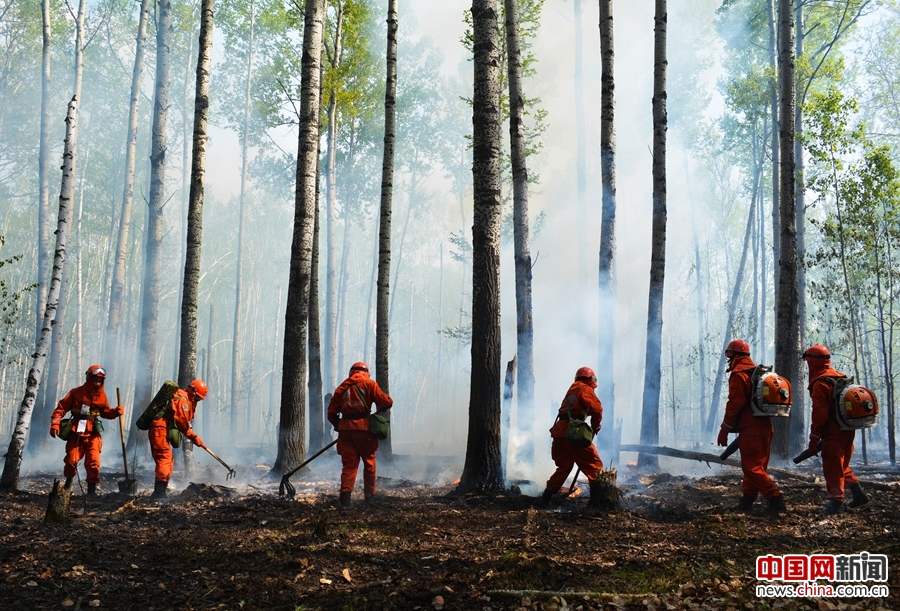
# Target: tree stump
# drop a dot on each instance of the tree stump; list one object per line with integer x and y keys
{"x": 58, "y": 505}
{"x": 608, "y": 494}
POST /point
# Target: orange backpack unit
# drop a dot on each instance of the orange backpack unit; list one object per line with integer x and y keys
{"x": 772, "y": 394}
{"x": 856, "y": 406}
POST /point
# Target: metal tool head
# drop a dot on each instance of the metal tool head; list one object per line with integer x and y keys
{"x": 286, "y": 488}
{"x": 128, "y": 486}
{"x": 231, "y": 473}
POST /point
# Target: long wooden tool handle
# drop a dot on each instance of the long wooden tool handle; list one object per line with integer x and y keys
{"x": 122, "y": 431}
{"x": 310, "y": 459}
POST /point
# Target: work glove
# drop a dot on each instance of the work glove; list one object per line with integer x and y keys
{"x": 120, "y": 411}
{"x": 54, "y": 431}
{"x": 813, "y": 447}
{"x": 198, "y": 442}
{"x": 722, "y": 439}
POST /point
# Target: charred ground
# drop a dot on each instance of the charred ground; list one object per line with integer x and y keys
{"x": 674, "y": 545}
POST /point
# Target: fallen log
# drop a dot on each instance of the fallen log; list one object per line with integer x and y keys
{"x": 710, "y": 458}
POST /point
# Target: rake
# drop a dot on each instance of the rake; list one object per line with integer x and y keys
{"x": 286, "y": 488}
{"x": 231, "y": 472}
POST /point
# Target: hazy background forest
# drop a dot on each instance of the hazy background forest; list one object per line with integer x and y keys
{"x": 719, "y": 176}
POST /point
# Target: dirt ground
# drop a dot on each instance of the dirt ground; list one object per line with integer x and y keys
{"x": 675, "y": 544}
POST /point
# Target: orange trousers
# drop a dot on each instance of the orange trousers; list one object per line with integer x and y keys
{"x": 837, "y": 449}
{"x": 87, "y": 447}
{"x": 566, "y": 455}
{"x": 755, "y": 444}
{"x": 162, "y": 453}
{"x": 354, "y": 446}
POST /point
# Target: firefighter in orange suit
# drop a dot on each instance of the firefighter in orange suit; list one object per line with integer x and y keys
{"x": 754, "y": 432}
{"x": 86, "y": 403}
{"x": 348, "y": 412}
{"x": 837, "y": 444}
{"x": 179, "y": 415}
{"x": 581, "y": 402}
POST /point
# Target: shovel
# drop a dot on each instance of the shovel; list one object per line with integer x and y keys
{"x": 286, "y": 488}
{"x": 126, "y": 486}
{"x": 231, "y": 472}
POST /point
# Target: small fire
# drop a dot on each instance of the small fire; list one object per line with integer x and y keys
{"x": 578, "y": 491}
{"x": 456, "y": 481}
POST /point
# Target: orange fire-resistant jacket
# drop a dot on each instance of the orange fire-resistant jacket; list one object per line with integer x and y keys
{"x": 352, "y": 401}
{"x": 89, "y": 396}
{"x": 181, "y": 410}
{"x": 738, "y": 415}
{"x": 582, "y": 403}
{"x": 821, "y": 392}
{"x": 837, "y": 449}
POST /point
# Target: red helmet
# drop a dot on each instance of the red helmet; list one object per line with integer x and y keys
{"x": 817, "y": 351}
{"x": 737, "y": 347}
{"x": 359, "y": 366}
{"x": 199, "y": 387}
{"x": 97, "y": 371}
{"x": 586, "y": 372}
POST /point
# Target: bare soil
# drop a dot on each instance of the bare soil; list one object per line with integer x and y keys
{"x": 675, "y": 544}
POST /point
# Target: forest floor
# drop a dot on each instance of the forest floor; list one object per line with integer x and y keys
{"x": 675, "y": 544}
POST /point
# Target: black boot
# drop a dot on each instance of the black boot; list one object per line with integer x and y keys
{"x": 859, "y": 497}
{"x": 544, "y": 500}
{"x": 68, "y": 484}
{"x": 776, "y": 504}
{"x": 746, "y": 502}
{"x": 159, "y": 490}
{"x": 832, "y": 507}
{"x": 345, "y": 499}
{"x": 92, "y": 489}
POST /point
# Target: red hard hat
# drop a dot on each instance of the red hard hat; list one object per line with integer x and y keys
{"x": 97, "y": 371}
{"x": 359, "y": 366}
{"x": 199, "y": 387}
{"x": 817, "y": 351}
{"x": 585, "y": 372}
{"x": 738, "y": 346}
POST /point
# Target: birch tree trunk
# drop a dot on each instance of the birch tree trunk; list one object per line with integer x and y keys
{"x": 524, "y": 318}
{"x": 382, "y": 303}
{"x": 606, "y": 359}
{"x": 787, "y": 328}
{"x": 798, "y": 412}
{"x": 316, "y": 418}
{"x": 482, "y": 470}
{"x": 292, "y": 429}
{"x": 236, "y": 338}
{"x": 43, "y": 171}
{"x": 776, "y": 149}
{"x": 117, "y": 289}
{"x": 653, "y": 366}
{"x": 330, "y": 296}
{"x": 187, "y": 357}
{"x": 145, "y": 367}
{"x": 10, "y": 478}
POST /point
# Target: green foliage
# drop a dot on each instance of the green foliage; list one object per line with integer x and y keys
{"x": 10, "y": 306}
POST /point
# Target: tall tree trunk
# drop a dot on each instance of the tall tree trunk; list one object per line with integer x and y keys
{"x": 239, "y": 266}
{"x": 153, "y": 232}
{"x": 49, "y": 395}
{"x": 787, "y": 328}
{"x": 13, "y": 464}
{"x": 713, "y": 414}
{"x": 607, "y": 283}
{"x": 580, "y": 138}
{"x": 382, "y": 343}
{"x": 292, "y": 425}
{"x": 43, "y": 171}
{"x": 776, "y": 149}
{"x": 117, "y": 289}
{"x": 524, "y": 319}
{"x": 330, "y": 369}
{"x": 482, "y": 470}
{"x": 187, "y": 358}
{"x": 653, "y": 367}
{"x": 316, "y": 409}
{"x": 798, "y": 412}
